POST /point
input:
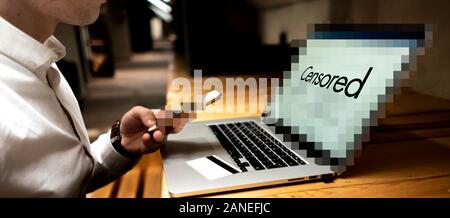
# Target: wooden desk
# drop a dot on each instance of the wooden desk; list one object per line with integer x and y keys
{"x": 408, "y": 156}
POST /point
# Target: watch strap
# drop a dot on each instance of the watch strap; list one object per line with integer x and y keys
{"x": 116, "y": 140}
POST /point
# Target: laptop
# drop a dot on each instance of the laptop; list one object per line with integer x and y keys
{"x": 318, "y": 118}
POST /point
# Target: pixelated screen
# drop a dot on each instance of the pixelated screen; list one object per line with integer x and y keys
{"x": 337, "y": 86}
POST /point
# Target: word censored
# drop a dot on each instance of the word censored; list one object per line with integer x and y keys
{"x": 335, "y": 82}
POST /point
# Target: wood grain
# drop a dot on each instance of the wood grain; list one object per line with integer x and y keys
{"x": 153, "y": 177}
{"x": 129, "y": 184}
{"x": 104, "y": 192}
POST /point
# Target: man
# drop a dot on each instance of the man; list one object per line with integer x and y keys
{"x": 44, "y": 147}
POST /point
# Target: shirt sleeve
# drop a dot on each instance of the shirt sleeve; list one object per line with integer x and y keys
{"x": 109, "y": 164}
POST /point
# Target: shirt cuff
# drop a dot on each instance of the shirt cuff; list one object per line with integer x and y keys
{"x": 109, "y": 158}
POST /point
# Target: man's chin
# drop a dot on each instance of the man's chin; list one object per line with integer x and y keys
{"x": 91, "y": 21}
{"x": 84, "y": 20}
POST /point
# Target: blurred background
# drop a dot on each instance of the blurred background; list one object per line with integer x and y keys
{"x": 131, "y": 53}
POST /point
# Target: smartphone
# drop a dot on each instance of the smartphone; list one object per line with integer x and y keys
{"x": 207, "y": 100}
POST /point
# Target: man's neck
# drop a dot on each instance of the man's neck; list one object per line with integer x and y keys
{"x": 26, "y": 19}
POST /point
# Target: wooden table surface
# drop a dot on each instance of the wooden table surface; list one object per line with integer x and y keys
{"x": 408, "y": 156}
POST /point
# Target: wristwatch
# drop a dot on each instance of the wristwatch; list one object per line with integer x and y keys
{"x": 116, "y": 142}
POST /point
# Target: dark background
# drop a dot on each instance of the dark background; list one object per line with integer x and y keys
{"x": 222, "y": 37}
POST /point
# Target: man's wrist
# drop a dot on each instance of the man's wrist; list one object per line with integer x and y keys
{"x": 116, "y": 141}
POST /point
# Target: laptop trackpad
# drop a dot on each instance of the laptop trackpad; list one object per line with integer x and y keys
{"x": 189, "y": 148}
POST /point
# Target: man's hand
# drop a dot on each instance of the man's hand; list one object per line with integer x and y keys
{"x": 137, "y": 121}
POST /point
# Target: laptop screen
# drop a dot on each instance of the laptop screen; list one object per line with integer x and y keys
{"x": 337, "y": 85}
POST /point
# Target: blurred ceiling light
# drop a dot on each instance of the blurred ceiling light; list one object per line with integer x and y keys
{"x": 161, "y": 9}
{"x": 161, "y": 5}
{"x": 161, "y": 14}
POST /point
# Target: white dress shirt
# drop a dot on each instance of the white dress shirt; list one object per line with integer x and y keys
{"x": 44, "y": 146}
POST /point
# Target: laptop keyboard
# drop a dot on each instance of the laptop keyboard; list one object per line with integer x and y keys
{"x": 250, "y": 146}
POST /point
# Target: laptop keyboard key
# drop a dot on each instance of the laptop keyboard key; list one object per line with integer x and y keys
{"x": 250, "y": 145}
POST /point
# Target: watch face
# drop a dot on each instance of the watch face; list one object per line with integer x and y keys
{"x": 115, "y": 139}
{"x": 115, "y": 131}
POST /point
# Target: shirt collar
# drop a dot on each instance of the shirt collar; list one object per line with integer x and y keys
{"x": 27, "y": 51}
